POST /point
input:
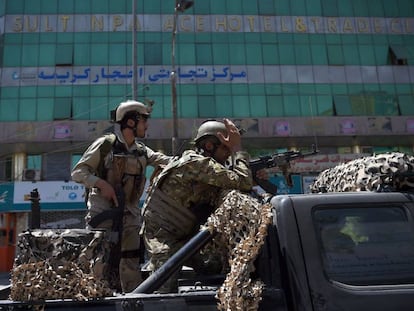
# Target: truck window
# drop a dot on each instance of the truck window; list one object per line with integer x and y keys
{"x": 367, "y": 245}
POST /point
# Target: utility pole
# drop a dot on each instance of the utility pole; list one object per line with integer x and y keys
{"x": 180, "y": 6}
{"x": 134, "y": 51}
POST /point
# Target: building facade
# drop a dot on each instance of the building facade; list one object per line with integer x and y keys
{"x": 332, "y": 73}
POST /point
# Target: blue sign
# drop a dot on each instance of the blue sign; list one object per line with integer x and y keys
{"x": 6, "y": 197}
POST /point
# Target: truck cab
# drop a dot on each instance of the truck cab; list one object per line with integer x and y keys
{"x": 343, "y": 251}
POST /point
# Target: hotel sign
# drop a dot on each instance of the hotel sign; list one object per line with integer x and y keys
{"x": 206, "y": 23}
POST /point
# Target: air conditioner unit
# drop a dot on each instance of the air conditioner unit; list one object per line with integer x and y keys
{"x": 31, "y": 174}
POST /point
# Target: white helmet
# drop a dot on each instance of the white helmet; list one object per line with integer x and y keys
{"x": 131, "y": 105}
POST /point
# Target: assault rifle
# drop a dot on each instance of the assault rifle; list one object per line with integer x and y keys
{"x": 281, "y": 160}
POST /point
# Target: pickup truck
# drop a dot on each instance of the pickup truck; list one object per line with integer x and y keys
{"x": 327, "y": 251}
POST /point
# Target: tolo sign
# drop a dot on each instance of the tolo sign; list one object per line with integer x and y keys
{"x": 52, "y": 194}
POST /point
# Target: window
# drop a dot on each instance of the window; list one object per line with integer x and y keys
{"x": 34, "y": 161}
{"x": 397, "y": 55}
{"x": 64, "y": 55}
{"x": 366, "y": 245}
{"x": 63, "y": 108}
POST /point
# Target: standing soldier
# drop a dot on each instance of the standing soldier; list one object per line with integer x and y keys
{"x": 185, "y": 192}
{"x": 113, "y": 169}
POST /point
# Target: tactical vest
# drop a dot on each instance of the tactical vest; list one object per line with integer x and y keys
{"x": 124, "y": 169}
{"x": 128, "y": 170}
{"x": 177, "y": 220}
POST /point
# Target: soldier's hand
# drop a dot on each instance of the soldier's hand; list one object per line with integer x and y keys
{"x": 107, "y": 191}
{"x": 233, "y": 138}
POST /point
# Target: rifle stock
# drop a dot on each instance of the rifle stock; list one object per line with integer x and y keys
{"x": 281, "y": 160}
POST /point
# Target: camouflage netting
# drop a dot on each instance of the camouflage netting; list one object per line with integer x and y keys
{"x": 241, "y": 222}
{"x": 382, "y": 172}
{"x": 59, "y": 264}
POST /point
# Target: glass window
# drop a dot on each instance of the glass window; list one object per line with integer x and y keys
{"x": 325, "y": 107}
{"x": 335, "y": 55}
{"x": 34, "y": 161}
{"x": 291, "y": 106}
{"x": 224, "y": 107}
{"x": 342, "y": 106}
{"x": 303, "y": 55}
{"x": 30, "y": 55}
{"x": 234, "y": 7}
{"x": 185, "y": 54}
{"x": 99, "y": 108}
{"x": 313, "y": 8}
{"x": 188, "y": 106}
{"x": 376, "y": 8}
{"x": 282, "y": 7}
{"x": 81, "y": 108}
{"x": 253, "y": 54}
{"x": 406, "y": 104}
{"x": 390, "y": 8}
{"x": 329, "y": 8}
{"x": 64, "y": 55}
{"x": 203, "y": 54}
{"x": 9, "y": 109}
{"x": 100, "y": 54}
{"x": 319, "y": 55}
{"x": 275, "y": 106}
{"x": 238, "y": 54}
{"x": 367, "y": 55}
{"x": 206, "y": 106}
{"x": 28, "y": 91}
{"x": 153, "y": 54}
{"x": 117, "y": 56}
{"x": 386, "y": 105}
{"x": 351, "y": 56}
{"x": 101, "y": 6}
{"x": 9, "y": 92}
{"x": 372, "y": 245}
{"x": 241, "y": 106}
{"x": 265, "y": 6}
{"x": 63, "y": 91}
{"x": 298, "y": 7}
{"x": 15, "y": 7}
{"x": 220, "y": 54}
{"x": 82, "y": 55}
{"x": 45, "y": 109}
{"x": 258, "y": 106}
{"x": 153, "y": 7}
{"x": 27, "y": 110}
{"x": 64, "y": 37}
{"x": 82, "y": 6}
{"x": 286, "y": 54}
{"x": 45, "y": 91}
{"x": 47, "y": 55}
{"x": 270, "y": 54}
{"x": 62, "y": 108}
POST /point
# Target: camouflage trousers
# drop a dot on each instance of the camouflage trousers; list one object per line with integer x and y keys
{"x": 123, "y": 262}
{"x": 161, "y": 245}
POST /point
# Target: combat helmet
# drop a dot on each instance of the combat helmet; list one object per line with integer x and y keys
{"x": 210, "y": 128}
{"x": 127, "y": 106}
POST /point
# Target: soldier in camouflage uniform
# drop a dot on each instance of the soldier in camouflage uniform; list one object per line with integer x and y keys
{"x": 184, "y": 194}
{"x": 113, "y": 168}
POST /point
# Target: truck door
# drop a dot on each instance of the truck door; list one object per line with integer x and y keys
{"x": 359, "y": 251}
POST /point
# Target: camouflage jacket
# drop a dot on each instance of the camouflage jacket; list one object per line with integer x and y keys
{"x": 87, "y": 171}
{"x": 189, "y": 182}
